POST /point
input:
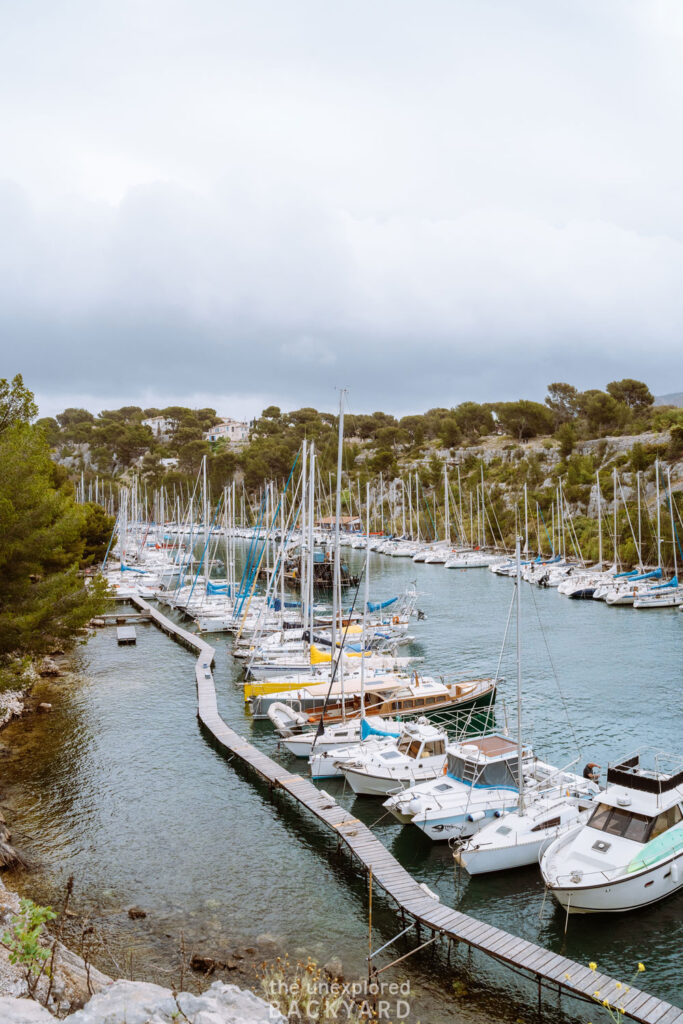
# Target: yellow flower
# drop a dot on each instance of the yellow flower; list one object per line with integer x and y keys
{"x": 605, "y": 1002}
{"x": 641, "y": 967}
{"x": 593, "y": 966}
{"x": 568, "y": 977}
{"x": 621, "y": 1009}
{"x": 618, "y": 984}
{"x": 596, "y": 995}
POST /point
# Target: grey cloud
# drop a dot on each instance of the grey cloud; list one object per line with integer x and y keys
{"x": 424, "y": 203}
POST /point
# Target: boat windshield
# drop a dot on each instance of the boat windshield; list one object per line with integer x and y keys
{"x": 616, "y": 821}
{"x": 404, "y": 744}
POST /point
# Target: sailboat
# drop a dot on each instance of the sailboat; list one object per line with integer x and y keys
{"x": 664, "y": 595}
{"x": 485, "y": 777}
{"x": 516, "y": 837}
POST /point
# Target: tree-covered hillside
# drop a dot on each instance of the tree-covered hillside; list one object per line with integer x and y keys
{"x": 114, "y": 443}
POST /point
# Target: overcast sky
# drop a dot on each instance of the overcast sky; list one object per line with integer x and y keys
{"x": 233, "y": 204}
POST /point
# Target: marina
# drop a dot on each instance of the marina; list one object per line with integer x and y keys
{"x": 409, "y": 896}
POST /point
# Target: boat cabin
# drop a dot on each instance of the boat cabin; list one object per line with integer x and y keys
{"x": 487, "y": 761}
{"x": 421, "y": 741}
{"x": 640, "y": 803}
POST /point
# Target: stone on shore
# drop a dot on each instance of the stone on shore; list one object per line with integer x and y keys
{"x": 145, "y": 1003}
{"x": 23, "y": 1011}
{"x": 49, "y": 668}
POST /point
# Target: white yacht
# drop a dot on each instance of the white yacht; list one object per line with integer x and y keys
{"x": 630, "y": 852}
{"x": 420, "y": 754}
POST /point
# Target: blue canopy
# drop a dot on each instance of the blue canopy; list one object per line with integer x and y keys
{"x": 217, "y": 588}
{"x": 367, "y": 730}
{"x": 129, "y": 568}
{"x": 656, "y": 574}
{"x": 375, "y": 606}
{"x": 671, "y": 585}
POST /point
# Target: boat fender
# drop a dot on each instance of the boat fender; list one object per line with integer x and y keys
{"x": 497, "y": 814}
{"x": 476, "y": 815}
{"x": 425, "y": 888}
{"x": 445, "y": 769}
{"x": 675, "y": 872}
{"x": 414, "y": 806}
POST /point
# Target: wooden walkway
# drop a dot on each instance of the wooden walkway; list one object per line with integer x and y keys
{"x": 550, "y": 969}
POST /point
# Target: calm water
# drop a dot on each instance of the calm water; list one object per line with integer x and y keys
{"x": 119, "y": 787}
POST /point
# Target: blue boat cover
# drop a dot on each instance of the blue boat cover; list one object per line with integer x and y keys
{"x": 375, "y": 606}
{"x": 217, "y": 588}
{"x": 369, "y": 730}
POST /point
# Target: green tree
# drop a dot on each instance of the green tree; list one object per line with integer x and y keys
{"x": 190, "y": 456}
{"x": 96, "y": 533}
{"x": 562, "y": 401}
{"x": 50, "y": 428}
{"x": 633, "y": 393}
{"x": 449, "y": 432}
{"x": 675, "y": 449}
{"x": 17, "y": 404}
{"x": 524, "y": 419}
{"x": 602, "y": 412}
{"x": 474, "y": 420}
{"x": 566, "y": 435}
{"x": 43, "y": 598}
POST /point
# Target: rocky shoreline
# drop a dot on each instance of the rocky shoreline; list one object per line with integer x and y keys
{"x": 79, "y": 993}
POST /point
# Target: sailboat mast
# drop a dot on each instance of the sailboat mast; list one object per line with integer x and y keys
{"x": 640, "y": 539}
{"x": 616, "y": 543}
{"x": 336, "y": 609}
{"x": 597, "y": 477}
{"x": 659, "y": 518}
{"x": 673, "y": 525}
{"x": 526, "y": 521}
{"x": 520, "y": 773}
{"x": 206, "y": 506}
{"x": 303, "y": 563}
{"x": 447, "y": 516}
{"x": 366, "y": 598}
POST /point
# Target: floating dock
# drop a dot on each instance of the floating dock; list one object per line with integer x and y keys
{"x": 125, "y": 635}
{"x": 550, "y": 970}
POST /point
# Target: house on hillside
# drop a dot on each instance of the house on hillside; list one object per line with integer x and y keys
{"x": 232, "y": 431}
{"x": 160, "y": 426}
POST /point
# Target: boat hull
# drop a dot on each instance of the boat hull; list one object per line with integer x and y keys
{"x": 364, "y": 784}
{"x": 502, "y": 858}
{"x": 623, "y": 894}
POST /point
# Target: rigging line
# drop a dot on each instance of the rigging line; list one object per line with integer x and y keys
{"x": 557, "y": 681}
{"x": 628, "y": 516}
{"x": 505, "y": 636}
{"x": 338, "y": 658}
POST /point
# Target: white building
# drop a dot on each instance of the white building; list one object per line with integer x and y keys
{"x": 160, "y": 426}
{"x": 232, "y": 431}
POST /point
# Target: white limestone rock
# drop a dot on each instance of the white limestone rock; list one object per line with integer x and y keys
{"x": 145, "y": 1003}
{"x": 23, "y": 1011}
